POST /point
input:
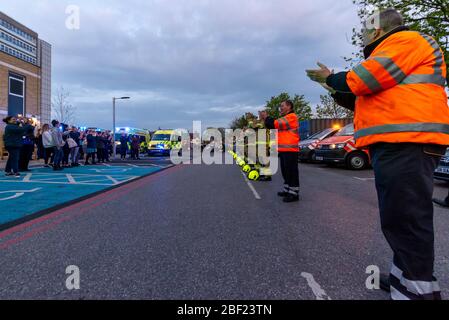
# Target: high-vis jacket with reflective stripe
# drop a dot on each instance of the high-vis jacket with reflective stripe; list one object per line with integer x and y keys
{"x": 400, "y": 92}
{"x": 288, "y": 133}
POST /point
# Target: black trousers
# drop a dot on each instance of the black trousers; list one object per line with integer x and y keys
{"x": 404, "y": 183}
{"x": 26, "y": 153}
{"x": 12, "y": 165}
{"x": 290, "y": 171}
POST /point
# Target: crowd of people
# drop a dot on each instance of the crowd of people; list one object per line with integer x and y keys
{"x": 60, "y": 146}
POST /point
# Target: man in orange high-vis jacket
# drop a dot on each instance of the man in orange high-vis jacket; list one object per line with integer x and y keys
{"x": 402, "y": 116}
{"x": 288, "y": 148}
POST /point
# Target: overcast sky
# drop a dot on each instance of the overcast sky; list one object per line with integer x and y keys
{"x": 185, "y": 60}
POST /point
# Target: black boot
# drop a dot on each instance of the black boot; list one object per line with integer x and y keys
{"x": 282, "y": 194}
{"x": 265, "y": 178}
{"x": 444, "y": 203}
{"x": 291, "y": 198}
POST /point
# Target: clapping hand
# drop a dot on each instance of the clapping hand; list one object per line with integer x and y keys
{"x": 319, "y": 75}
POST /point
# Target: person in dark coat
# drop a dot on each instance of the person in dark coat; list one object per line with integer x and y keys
{"x": 26, "y": 152}
{"x": 91, "y": 147}
{"x": 13, "y": 139}
{"x": 123, "y": 145}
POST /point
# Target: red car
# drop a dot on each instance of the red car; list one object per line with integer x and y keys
{"x": 341, "y": 149}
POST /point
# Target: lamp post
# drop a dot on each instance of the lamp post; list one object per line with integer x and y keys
{"x": 114, "y": 151}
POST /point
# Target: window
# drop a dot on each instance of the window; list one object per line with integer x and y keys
{"x": 16, "y": 97}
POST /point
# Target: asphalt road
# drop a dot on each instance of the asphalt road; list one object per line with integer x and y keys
{"x": 199, "y": 232}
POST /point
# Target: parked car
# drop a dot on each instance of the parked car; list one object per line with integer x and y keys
{"x": 308, "y": 146}
{"x": 442, "y": 172}
{"x": 341, "y": 149}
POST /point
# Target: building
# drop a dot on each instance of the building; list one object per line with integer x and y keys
{"x": 25, "y": 72}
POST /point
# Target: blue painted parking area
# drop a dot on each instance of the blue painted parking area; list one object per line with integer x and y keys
{"x": 43, "y": 189}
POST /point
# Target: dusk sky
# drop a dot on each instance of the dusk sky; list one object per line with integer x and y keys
{"x": 180, "y": 61}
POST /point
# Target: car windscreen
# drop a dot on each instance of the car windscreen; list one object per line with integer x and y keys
{"x": 346, "y": 131}
{"x": 161, "y": 137}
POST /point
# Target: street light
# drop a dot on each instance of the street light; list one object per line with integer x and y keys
{"x": 114, "y": 151}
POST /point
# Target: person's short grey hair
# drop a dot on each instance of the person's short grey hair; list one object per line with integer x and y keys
{"x": 390, "y": 19}
{"x": 386, "y": 19}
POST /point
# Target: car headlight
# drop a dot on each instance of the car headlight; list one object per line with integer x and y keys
{"x": 341, "y": 145}
{"x": 332, "y": 146}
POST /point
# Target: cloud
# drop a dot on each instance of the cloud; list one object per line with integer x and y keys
{"x": 187, "y": 60}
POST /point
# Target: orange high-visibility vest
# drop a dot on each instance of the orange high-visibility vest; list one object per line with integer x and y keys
{"x": 288, "y": 133}
{"x": 400, "y": 92}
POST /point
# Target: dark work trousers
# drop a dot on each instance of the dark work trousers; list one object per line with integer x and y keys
{"x": 49, "y": 154}
{"x": 26, "y": 152}
{"x": 12, "y": 165}
{"x": 404, "y": 183}
{"x": 290, "y": 172}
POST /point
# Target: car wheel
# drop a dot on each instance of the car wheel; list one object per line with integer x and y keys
{"x": 357, "y": 161}
{"x": 312, "y": 157}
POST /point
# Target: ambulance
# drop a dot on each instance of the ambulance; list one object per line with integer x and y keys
{"x": 162, "y": 142}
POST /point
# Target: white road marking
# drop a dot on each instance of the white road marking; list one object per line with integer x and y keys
{"x": 70, "y": 179}
{"x": 365, "y": 179}
{"x": 319, "y": 293}
{"x": 27, "y": 177}
{"x": 18, "y": 193}
{"x": 256, "y": 195}
{"x": 113, "y": 180}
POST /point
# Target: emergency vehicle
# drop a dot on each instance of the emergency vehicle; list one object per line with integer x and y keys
{"x": 442, "y": 172}
{"x": 341, "y": 149}
{"x": 143, "y": 134}
{"x": 307, "y": 147}
{"x": 163, "y": 141}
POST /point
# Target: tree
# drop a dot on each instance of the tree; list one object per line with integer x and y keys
{"x": 428, "y": 16}
{"x": 63, "y": 111}
{"x": 239, "y": 123}
{"x": 301, "y": 106}
{"x": 330, "y": 109}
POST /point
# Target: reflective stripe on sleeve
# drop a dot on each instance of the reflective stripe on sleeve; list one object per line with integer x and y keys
{"x": 368, "y": 79}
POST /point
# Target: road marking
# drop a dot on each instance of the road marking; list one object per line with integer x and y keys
{"x": 319, "y": 293}
{"x": 113, "y": 180}
{"x": 70, "y": 179}
{"x": 27, "y": 177}
{"x": 365, "y": 179}
{"x": 18, "y": 193}
{"x": 256, "y": 195}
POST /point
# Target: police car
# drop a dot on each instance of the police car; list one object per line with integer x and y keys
{"x": 442, "y": 172}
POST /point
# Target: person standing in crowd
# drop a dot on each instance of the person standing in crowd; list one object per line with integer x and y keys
{"x": 13, "y": 140}
{"x": 91, "y": 149}
{"x": 75, "y": 146}
{"x": 401, "y": 115}
{"x": 101, "y": 148}
{"x": 39, "y": 145}
{"x": 65, "y": 150}
{"x": 288, "y": 148}
{"x": 26, "y": 152}
{"x": 108, "y": 145}
{"x": 135, "y": 146}
{"x": 123, "y": 145}
{"x": 49, "y": 145}
{"x": 59, "y": 144}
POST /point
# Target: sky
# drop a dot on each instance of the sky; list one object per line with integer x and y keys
{"x": 186, "y": 60}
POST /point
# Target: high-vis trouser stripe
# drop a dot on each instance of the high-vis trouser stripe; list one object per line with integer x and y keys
{"x": 369, "y": 80}
{"x": 415, "y": 287}
{"x": 425, "y": 79}
{"x": 406, "y": 127}
{"x": 392, "y": 68}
